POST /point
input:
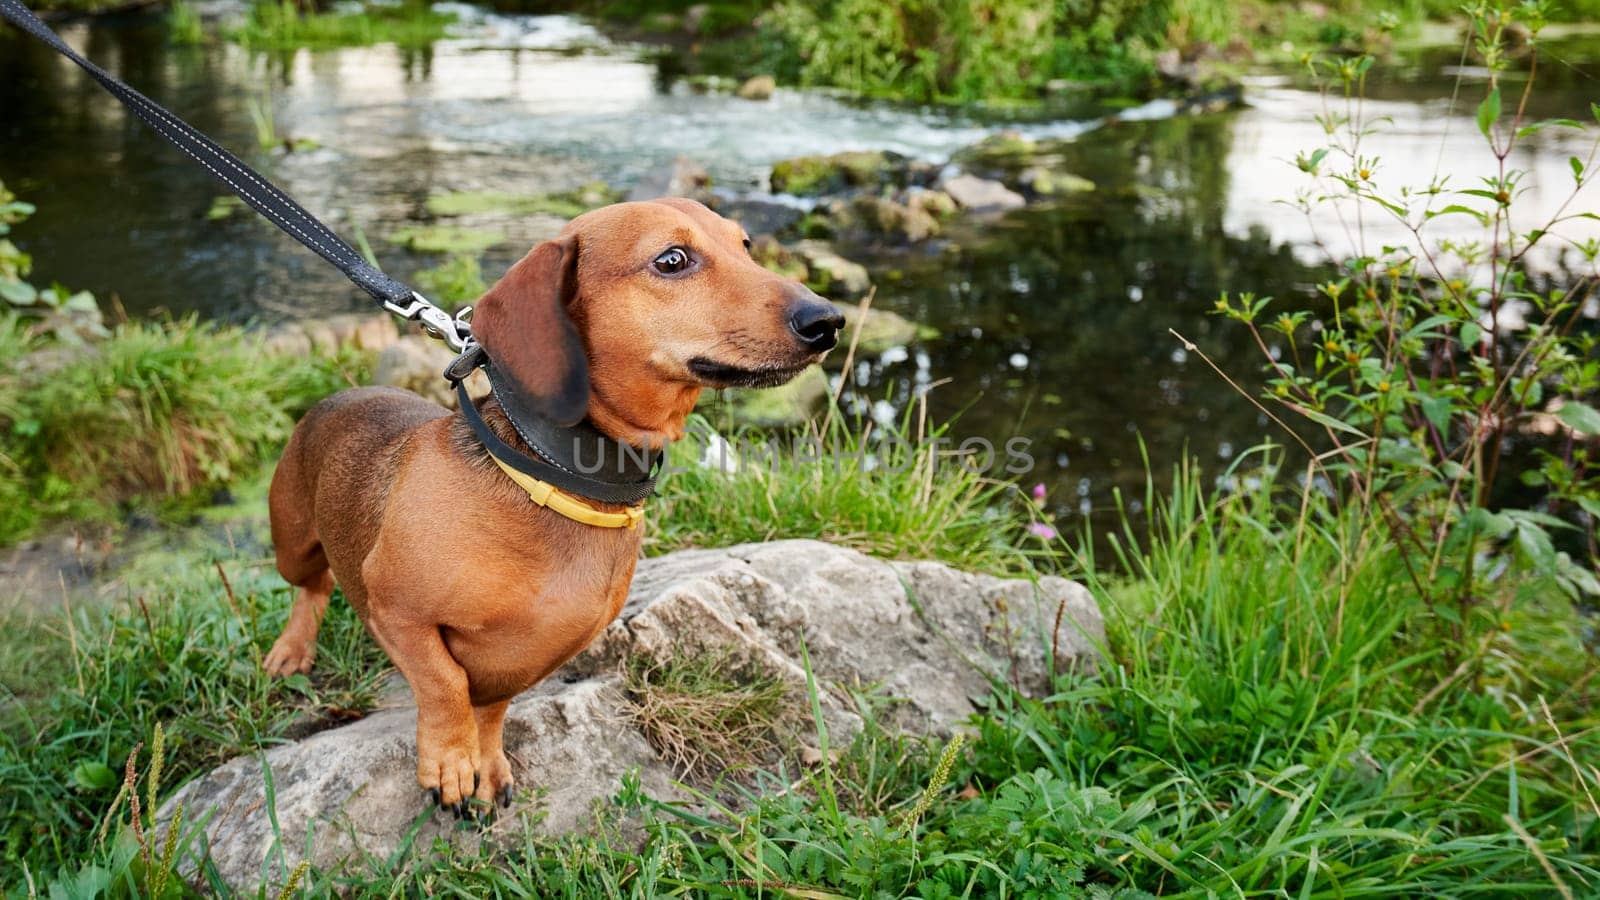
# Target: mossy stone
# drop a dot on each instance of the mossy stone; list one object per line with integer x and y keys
{"x": 816, "y": 175}
{"x": 566, "y": 204}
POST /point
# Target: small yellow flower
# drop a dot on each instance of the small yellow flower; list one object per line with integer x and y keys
{"x": 1331, "y": 346}
{"x": 1383, "y": 387}
{"x": 1366, "y": 174}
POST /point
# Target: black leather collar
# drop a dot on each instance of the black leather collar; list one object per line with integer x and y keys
{"x": 578, "y": 459}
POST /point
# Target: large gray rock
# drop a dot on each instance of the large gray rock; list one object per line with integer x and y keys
{"x": 932, "y": 637}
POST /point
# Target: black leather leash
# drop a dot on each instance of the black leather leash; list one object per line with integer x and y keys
{"x": 623, "y": 474}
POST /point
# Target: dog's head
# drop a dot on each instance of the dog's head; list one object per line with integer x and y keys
{"x": 636, "y": 307}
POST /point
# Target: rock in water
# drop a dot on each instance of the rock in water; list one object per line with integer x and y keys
{"x": 683, "y": 177}
{"x": 930, "y": 635}
{"x": 1049, "y": 183}
{"x": 981, "y": 195}
{"x": 788, "y": 404}
{"x": 760, "y": 87}
{"x": 817, "y": 175}
{"x": 832, "y": 275}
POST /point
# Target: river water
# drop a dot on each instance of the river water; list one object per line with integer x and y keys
{"x": 1054, "y": 321}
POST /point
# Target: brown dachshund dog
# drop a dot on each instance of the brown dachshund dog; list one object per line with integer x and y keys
{"x": 474, "y": 591}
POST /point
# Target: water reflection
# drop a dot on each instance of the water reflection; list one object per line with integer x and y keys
{"x": 1057, "y": 319}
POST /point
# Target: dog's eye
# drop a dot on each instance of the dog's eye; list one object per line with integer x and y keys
{"x": 747, "y": 245}
{"x": 673, "y": 261}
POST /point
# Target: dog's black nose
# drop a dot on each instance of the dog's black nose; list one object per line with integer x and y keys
{"x": 816, "y": 323}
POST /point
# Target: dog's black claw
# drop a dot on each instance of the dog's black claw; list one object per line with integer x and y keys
{"x": 474, "y": 782}
{"x": 433, "y": 797}
{"x": 505, "y": 796}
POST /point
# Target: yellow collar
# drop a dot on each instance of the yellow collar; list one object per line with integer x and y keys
{"x": 562, "y": 503}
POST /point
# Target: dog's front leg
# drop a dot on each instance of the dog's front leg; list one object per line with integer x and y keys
{"x": 494, "y": 770}
{"x": 447, "y": 731}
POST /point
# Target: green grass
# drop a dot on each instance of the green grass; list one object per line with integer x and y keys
{"x": 1252, "y": 734}
{"x": 891, "y": 492}
{"x": 80, "y": 687}
{"x": 1256, "y": 730}
{"x": 156, "y": 412}
{"x": 281, "y": 26}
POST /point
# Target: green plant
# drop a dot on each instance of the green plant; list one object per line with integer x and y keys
{"x": 905, "y": 492}
{"x": 1418, "y": 388}
{"x": 453, "y": 283}
{"x": 267, "y": 138}
{"x": 70, "y": 317}
{"x": 184, "y": 25}
{"x": 177, "y": 653}
{"x": 143, "y": 855}
{"x": 281, "y": 25}
{"x": 992, "y": 49}
{"x": 152, "y": 411}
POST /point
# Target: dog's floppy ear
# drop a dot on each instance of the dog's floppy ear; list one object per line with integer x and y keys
{"x": 523, "y": 325}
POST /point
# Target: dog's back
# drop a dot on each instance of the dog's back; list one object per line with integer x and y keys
{"x": 329, "y": 488}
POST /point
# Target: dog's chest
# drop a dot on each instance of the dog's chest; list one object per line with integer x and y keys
{"x": 536, "y": 613}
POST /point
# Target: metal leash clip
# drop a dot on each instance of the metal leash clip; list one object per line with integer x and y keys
{"x": 439, "y": 324}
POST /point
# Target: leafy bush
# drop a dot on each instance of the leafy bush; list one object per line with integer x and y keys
{"x": 1423, "y": 385}
{"x": 965, "y": 50}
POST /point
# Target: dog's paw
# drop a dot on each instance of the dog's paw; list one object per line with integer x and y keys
{"x": 449, "y": 776}
{"x": 494, "y": 781}
{"x": 288, "y": 657}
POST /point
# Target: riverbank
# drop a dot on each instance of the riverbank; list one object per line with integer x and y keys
{"x": 1253, "y": 725}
